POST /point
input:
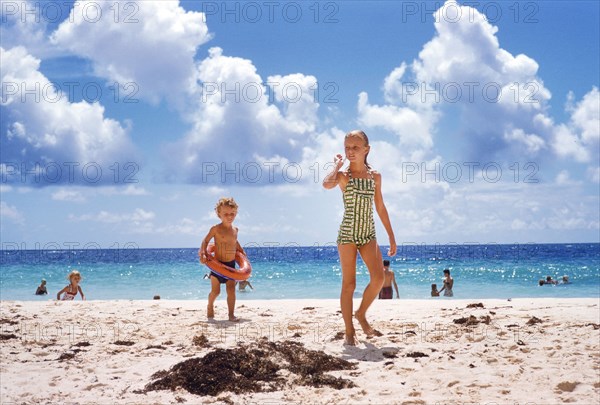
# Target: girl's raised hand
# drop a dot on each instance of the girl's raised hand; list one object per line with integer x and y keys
{"x": 338, "y": 161}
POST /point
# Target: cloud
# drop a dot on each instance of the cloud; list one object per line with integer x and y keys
{"x": 24, "y": 24}
{"x": 487, "y": 213}
{"x": 564, "y": 179}
{"x": 184, "y": 226}
{"x": 68, "y": 195}
{"x": 49, "y": 140}
{"x": 414, "y": 128}
{"x": 11, "y": 213}
{"x": 129, "y": 190}
{"x": 463, "y": 70}
{"x": 214, "y": 190}
{"x": 138, "y": 217}
{"x": 580, "y": 138}
{"x": 240, "y": 122}
{"x": 500, "y": 103}
{"x": 152, "y": 44}
{"x": 533, "y": 143}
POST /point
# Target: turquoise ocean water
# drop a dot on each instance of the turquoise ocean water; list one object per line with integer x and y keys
{"x": 292, "y": 272}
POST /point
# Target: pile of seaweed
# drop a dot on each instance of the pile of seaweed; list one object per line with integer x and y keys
{"x": 253, "y": 368}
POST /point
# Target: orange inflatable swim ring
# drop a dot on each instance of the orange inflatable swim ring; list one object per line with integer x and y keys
{"x": 240, "y": 274}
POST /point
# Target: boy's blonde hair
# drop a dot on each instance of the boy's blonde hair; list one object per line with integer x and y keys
{"x": 73, "y": 274}
{"x": 225, "y": 202}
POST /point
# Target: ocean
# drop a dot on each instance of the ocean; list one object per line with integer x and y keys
{"x": 294, "y": 272}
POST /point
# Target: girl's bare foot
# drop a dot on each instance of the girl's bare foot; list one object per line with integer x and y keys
{"x": 351, "y": 340}
{"x": 369, "y": 331}
{"x": 210, "y": 312}
{"x": 233, "y": 318}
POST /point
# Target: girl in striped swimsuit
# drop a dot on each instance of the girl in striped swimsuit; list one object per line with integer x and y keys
{"x": 360, "y": 188}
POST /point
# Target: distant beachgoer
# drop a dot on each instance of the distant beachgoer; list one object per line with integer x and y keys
{"x": 565, "y": 280}
{"x": 549, "y": 280}
{"x": 72, "y": 289}
{"x": 386, "y": 292}
{"x": 243, "y": 284}
{"x": 434, "y": 291}
{"x": 541, "y": 282}
{"x": 448, "y": 284}
{"x": 226, "y": 246}
{"x": 41, "y": 290}
{"x": 361, "y": 192}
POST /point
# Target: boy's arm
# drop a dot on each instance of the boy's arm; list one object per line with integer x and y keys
{"x": 202, "y": 253}
{"x": 239, "y": 248}
{"x": 250, "y": 285}
{"x": 383, "y": 214}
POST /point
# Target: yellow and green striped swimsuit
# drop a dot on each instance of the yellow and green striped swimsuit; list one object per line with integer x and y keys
{"x": 358, "y": 225}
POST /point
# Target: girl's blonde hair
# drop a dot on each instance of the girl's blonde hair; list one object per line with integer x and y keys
{"x": 73, "y": 274}
{"x": 357, "y": 133}
{"x": 225, "y": 202}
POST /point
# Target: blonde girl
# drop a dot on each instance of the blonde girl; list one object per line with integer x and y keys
{"x": 361, "y": 189}
{"x": 71, "y": 290}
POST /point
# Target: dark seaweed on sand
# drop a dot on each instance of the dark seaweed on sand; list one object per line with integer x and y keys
{"x": 252, "y": 368}
{"x": 7, "y": 336}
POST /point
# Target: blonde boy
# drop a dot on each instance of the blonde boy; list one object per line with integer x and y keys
{"x": 226, "y": 245}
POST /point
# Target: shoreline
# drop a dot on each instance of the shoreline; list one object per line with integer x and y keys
{"x": 527, "y": 350}
{"x": 248, "y": 296}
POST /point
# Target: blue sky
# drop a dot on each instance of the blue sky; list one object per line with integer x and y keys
{"x": 138, "y": 115}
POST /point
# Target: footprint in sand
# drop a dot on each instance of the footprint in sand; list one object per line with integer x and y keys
{"x": 91, "y": 387}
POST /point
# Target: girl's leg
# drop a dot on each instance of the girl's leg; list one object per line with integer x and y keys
{"x": 212, "y": 296}
{"x": 348, "y": 253}
{"x": 371, "y": 255}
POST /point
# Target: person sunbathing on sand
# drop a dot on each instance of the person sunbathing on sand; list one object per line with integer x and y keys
{"x": 226, "y": 245}
{"x": 360, "y": 187}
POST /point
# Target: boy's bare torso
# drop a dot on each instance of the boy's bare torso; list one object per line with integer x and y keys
{"x": 225, "y": 242}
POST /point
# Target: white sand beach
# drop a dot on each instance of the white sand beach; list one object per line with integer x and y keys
{"x": 524, "y": 351}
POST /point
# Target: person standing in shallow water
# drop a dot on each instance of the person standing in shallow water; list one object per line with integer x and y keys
{"x": 448, "y": 284}
{"x": 361, "y": 187}
{"x": 389, "y": 279}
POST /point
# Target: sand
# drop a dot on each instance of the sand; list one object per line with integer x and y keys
{"x": 438, "y": 351}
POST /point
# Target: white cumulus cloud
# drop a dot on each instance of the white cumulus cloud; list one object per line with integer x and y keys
{"x": 152, "y": 44}
{"x": 46, "y": 128}
{"x": 241, "y": 121}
